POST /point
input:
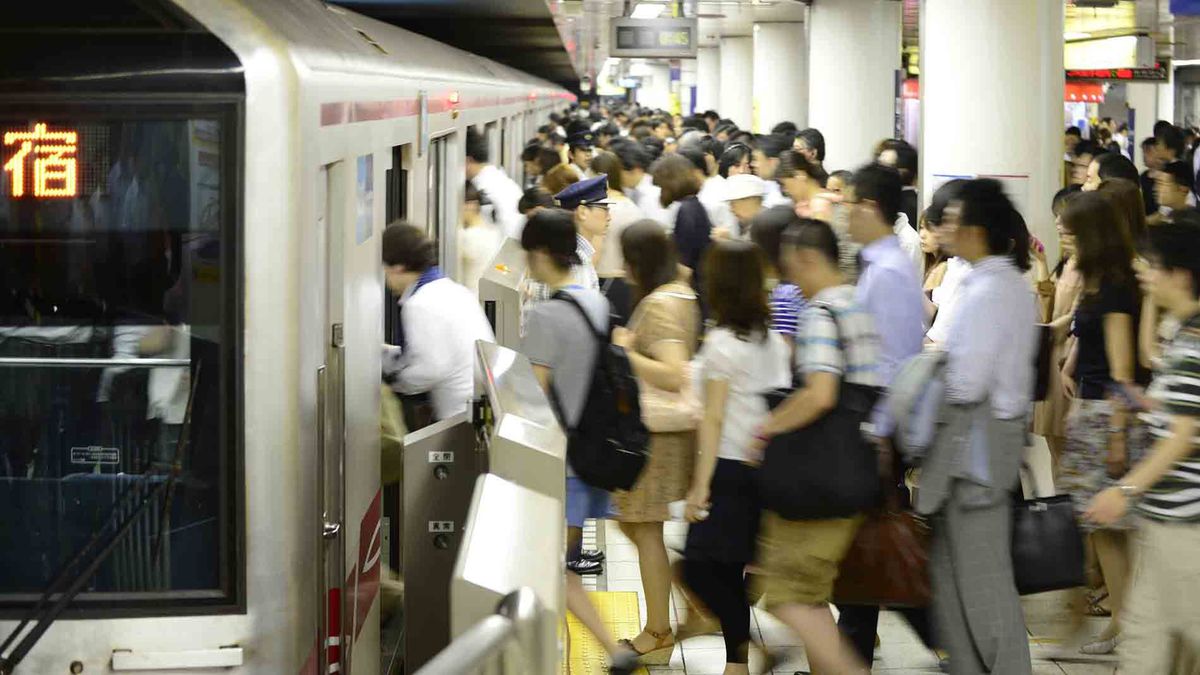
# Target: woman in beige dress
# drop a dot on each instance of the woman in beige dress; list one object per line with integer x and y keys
{"x": 660, "y": 341}
{"x": 1058, "y": 307}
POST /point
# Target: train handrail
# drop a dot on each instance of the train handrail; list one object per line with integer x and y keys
{"x": 36, "y": 362}
{"x": 517, "y": 621}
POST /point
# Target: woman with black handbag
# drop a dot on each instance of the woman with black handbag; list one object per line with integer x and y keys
{"x": 819, "y": 473}
{"x": 975, "y": 459}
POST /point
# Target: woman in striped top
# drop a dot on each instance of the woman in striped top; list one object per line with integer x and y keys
{"x": 1164, "y": 488}
{"x": 786, "y": 300}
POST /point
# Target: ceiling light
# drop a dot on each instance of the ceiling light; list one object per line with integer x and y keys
{"x": 646, "y": 10}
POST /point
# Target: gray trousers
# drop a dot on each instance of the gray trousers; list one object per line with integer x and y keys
{"x": 977, "y": 612}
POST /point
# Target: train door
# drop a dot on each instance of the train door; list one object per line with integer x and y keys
{"x": 331, "y": 387}
{"x": 350, "y": 499}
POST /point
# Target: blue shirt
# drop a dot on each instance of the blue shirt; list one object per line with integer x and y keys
{"x": 992, "y": 339}
{"x": 889, "y": 289}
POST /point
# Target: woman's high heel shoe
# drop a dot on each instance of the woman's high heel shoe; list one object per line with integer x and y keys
{"x": 660, "y": 654}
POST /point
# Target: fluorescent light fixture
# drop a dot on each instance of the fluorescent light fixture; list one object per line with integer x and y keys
{"x": 1076, "y": 36}
{"x": 647, "y": 10}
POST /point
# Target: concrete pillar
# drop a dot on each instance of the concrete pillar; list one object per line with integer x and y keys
{"x": 1166, "y": 95}
{"x": 853, "y": 56}
{"x": 999, "y": 65}
{"x": 708, "y": 78}
{"x": 688, "y": 88}
{"x": 780, "y": 75}
{"x": 737, "y": 80}
{"x": 1142, "y": 98}
{"x": 655, "y": 90}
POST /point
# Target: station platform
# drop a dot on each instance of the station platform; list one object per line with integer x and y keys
{"x": 618, "y": 594}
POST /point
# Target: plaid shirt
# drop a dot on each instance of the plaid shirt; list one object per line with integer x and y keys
{"x": 849, "y": 348}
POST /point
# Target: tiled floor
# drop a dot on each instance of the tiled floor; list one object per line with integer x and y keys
{"x": 901, "y": 651}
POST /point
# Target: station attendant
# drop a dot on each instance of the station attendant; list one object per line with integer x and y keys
{"x": 440, "y": 319}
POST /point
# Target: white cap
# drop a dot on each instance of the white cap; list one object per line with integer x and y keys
{"x": 744, "y": 185}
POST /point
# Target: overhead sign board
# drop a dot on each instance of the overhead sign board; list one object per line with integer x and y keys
{"x": 654, "y": 38}
{"x": 1158, "y": 73}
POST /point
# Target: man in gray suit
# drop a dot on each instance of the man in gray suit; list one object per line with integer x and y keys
{"x": 967, "y": 478}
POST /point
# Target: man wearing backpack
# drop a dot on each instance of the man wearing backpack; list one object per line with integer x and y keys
{"x": 561, "y": 342}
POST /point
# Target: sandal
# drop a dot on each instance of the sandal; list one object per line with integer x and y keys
{"x": 659, "y": 655}
{"x": 1094, "y": 609}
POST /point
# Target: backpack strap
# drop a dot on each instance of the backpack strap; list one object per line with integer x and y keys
{"x": 602, "y": 337}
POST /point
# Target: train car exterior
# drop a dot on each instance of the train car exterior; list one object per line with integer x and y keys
{"x": 261, "y": 168}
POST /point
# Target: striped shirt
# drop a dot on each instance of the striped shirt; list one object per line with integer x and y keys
{"x": 1176, "y": 389}
{"x": 848, "y": 347}
{"x": 787, "y": 304}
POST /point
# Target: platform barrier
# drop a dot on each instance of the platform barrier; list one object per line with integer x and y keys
{"x": 514, "y": 538}
{"x": 510, "y": 435}
{"x": 500, "y": 293}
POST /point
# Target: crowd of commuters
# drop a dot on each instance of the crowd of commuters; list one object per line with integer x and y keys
{"x": 735, "y": 269}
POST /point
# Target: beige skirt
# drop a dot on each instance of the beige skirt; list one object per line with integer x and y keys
{"x": 665, "y": 479}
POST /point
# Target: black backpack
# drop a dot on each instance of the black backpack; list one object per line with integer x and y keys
{"x": 609, "y": 445}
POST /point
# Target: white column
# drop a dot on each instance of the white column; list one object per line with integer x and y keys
{"x": 708, "y": 78}
{"x": 687, "y": 82}
{"x": 655, "y": 90}
{"x": 1142, "y": 98}
{"x": 1166, "y": 95}
{"x": 1000, "y": 62}
{"x": 737, "y": 80}
{"x": 780, "y": 75}
{"x": 854, "y": 53}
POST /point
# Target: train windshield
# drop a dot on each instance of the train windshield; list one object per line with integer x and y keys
{"x": 118, "y": 314}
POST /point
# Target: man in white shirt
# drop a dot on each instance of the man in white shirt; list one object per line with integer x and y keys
{"x": 501, "y": 191}
{"x": 440, "y": 323}
{"x": 639, "y": 185}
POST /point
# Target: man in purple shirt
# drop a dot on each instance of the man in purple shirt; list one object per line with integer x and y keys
{"x": 888, "y": 288}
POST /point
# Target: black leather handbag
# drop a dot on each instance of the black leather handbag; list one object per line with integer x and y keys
{"x": 827, "y": 469}
{"x": 1047, "y": 545}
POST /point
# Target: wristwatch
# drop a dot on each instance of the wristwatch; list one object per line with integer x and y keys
{"x": 1130, "y": 491}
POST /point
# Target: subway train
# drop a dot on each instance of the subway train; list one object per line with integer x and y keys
{"x": 191, "y": 211}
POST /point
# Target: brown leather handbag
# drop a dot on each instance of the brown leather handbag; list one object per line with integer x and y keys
{"x": 888, "y": 563}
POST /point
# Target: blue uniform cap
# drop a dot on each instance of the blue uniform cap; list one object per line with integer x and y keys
{"x": 581, "y": 139}
{"x": 587, "y": 192}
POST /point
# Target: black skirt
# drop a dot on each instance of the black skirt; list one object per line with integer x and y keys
{"x": 730, "y": 532}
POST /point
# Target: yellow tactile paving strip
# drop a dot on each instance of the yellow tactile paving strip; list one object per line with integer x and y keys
{"x": 619, "y": 612}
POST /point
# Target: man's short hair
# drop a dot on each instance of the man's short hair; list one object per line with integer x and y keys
{"x": 406, "y": 244}
{"x": 882, "y": 185}
{"x": 816, "y": 235}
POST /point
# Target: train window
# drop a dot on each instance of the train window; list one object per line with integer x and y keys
{"x": 119, "y": 392}
{"x": 441, "y": 211}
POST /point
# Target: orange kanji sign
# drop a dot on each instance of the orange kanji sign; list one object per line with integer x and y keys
{"x": 53, "y": 154}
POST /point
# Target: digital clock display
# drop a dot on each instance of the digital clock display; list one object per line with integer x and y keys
{"x": 654, "y": 38}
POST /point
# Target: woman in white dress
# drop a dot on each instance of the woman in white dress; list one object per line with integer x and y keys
{"x": 478, "y": 239}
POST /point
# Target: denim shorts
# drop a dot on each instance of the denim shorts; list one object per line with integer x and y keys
{"x": 585, "y": 501}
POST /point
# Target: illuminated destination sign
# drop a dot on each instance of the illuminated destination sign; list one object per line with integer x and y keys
{"x": 654, "y": 38}
{"x": 1156, "y": 74}
{"x": 41, "y": 162}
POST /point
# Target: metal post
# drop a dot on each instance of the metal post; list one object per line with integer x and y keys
{"x": 529, "y": 623}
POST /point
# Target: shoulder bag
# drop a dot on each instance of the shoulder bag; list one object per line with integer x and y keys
{"x": 829, "y": 468}
{"x": 666, "y": 411}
